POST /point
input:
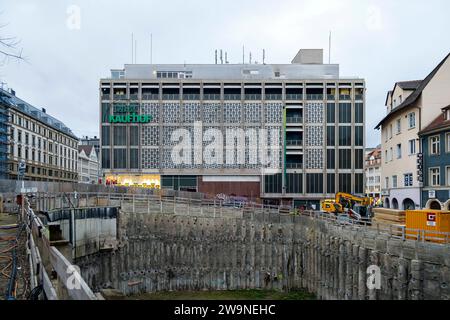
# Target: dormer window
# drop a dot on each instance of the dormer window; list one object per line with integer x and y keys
{"x": 447, "y": 114}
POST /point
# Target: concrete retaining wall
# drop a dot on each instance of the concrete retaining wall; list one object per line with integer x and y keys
{"x": 179, "y": 252}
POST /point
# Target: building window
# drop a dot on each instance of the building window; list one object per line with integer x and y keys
{"x": 345, "y": 159}
{"x": 120, "y": 158}
{"x": 106, "y": 159}
{"x": 331, "y": 136}
{"x": 390, "y": 131}
{"x": 386, "y": 183}
{"x": 412, "y": 120}
{"x": 314, "y": 183}
{"x": 391, "y": 154}
{"x": 331, "y": 117}
{"x": 447, "y": 176}
{"x": 412, "y": 147}
{"x": 399, "y": 126}
{"x": 273, "y": 183}
{"x": 359, "y": 136}
{"x": 331, "y": 159}
{"x": 394, "y": 181}
{"x": 359, "y": 159}
{"x": 331, "y": 184}
{"x": 294, "y": 183}
{"x": 435, "y": 143}
{"x": 134, "y": 136}
{"x": 345, "y": 113}
{"x": 359, "y": 113}
{"x": 120, "y": 136}
{"x": 386, "y": 156}
{"x": 345, "y": 136}
{"x": 134, "y": 159}
{"x": 345, "y": 182}
{"x": 435, "y": 177}
{"x": 447, "y": 137}
{"x": 359, "y": 183}
{"x": 399, "y": 151}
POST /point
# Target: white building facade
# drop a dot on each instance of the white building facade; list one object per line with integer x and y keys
{"x": 88, "y": 165}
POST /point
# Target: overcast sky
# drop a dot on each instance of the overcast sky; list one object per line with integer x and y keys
{"x": 381, "y": 41}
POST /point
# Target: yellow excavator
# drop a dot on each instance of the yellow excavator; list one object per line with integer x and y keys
{"x": 356, "y": 207}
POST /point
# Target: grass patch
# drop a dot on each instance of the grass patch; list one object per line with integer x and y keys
{"x": 225, "y": 295}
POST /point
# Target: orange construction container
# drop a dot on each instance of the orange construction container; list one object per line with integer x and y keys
{"x": 428, "y": 225}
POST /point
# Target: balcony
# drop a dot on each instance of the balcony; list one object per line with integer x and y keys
{"x": 274, "y": 97}
{"x": 191, "y": 96}
{"x": 253, "y": 97}
{"x": 232, "y": 96}
{"x": 314, "y": 97}
{"x": 150, "y": 96}
{"x": 294, "y": 165}
{"x": 294, "y": 120}
{"x": 120, "y": 97}
{"x": 331, "y": 97}
{"x": 106, "y": 96}
{"x": 359, "y": 97}
{"x": 134, "y": 96}
{"x": 294, "y": 97}
{"x": 171, "y": 96}
{"x": 345, "y": 97}
{"x": 210, "y": 96}
{"x": 294, "y": 143}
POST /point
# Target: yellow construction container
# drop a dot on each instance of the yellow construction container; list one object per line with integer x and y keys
{"x": 430, "y": 225}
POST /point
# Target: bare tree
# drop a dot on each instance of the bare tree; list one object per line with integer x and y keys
{"x": 9, "y": 47}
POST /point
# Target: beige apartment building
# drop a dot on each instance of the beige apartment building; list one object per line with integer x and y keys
{"x": 411, "y": 106}
{"x": 373, "y": 173}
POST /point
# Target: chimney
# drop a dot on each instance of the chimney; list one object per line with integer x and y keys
{"x": 43, "y": 110}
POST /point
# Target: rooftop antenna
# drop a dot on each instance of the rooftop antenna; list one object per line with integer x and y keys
{"x": 243, "y": 55}
{"x": 216, "y": 56}
{"x": 132, "y": 48}
{"x": 135, "y": 51}
{"x": 329, "y": 49}
{"x": 264, "y": 56}
{"x": 226, "y": 57}
{"x": 250, "y": 58}
{"x": 221, "y": 56}
{"x": 151, "y": 48}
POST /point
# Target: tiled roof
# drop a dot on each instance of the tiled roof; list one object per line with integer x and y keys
{"x": 439, "y": 123}
{"x": 87, "y": 149}
{"x": 415, "y": 95}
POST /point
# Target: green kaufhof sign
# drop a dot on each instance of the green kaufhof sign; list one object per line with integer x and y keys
{"x": 124, "y": 113}
{"x": 130, "y": 118}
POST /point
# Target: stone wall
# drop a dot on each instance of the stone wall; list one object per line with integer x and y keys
{"x": 180, "y": 252}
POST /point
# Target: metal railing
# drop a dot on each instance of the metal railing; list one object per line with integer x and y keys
{"x": 331, "y": 97}
{"x": 359, "y": 97}
{"x": 294, "y": 119}
{"x": 106, "y": 96}
{"x": 230, "y": 96}
{"x": 173, "y": 96}
{"x": 211, "y": 96}
{"x": 44, "y": 256}
{"x": 271, "y": 96}
{"x": 345, "y": 97}
{"x": 294, "y": 165}
{"x": 253, "y": 97}
{"x": 191, "y": 96}
{"x": 314, "y": 97}
{"x": 120, "y": 97}
{"x": 157, "y": 203}
{"x": 294, "y": 143}
{"x": 294, "y": 96}
{"x": 134, "y": 96}
{"x": 150, "y": 96}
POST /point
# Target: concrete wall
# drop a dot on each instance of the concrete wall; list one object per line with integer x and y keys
{"x": 180, "y": 252}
